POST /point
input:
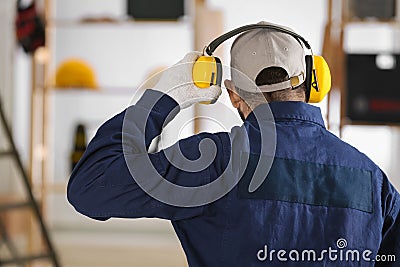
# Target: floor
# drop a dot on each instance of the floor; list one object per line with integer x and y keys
{"x": 142, "y": 243}
{"x": 118, "y": 249}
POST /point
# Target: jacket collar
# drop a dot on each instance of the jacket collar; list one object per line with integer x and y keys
{"x": 287, "y": 111}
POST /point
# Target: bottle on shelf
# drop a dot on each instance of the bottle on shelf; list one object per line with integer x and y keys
{"x": 79, "y": 145}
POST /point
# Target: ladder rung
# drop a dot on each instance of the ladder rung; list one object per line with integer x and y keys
{"x": 6, "y": 153}
{"x": 25, "y": 259}
{"x": 30, "y": 203}
{"x": 17, "y": 205}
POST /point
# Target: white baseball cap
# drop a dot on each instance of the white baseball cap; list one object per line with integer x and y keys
{"x": 258, "y": 49}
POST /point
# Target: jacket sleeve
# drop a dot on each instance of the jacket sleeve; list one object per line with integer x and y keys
{"x": 102, "y": 185}
{"x": 389, "y": 250}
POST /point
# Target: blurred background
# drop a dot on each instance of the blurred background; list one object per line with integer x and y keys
{"x": 66, "y": 66}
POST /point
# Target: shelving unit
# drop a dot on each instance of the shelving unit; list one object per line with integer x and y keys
{"x": 122, "y": 54}
{"x": 340, "y": 22}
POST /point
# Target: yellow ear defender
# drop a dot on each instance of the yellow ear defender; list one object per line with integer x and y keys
{"x": 207, "y": 70}
{"x": 320, "y": 87}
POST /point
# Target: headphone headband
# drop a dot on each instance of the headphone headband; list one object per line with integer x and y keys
{"x": 207, "y": 69}
{"x": 216, "y": 42}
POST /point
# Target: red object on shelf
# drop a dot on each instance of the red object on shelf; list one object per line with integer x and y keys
{"x": 29, "y": 28}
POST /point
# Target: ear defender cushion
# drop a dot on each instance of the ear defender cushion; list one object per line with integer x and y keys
{"x": 309, "y": 64}
{"x": 321, "y": 80}
{"x": 207, "y": 71}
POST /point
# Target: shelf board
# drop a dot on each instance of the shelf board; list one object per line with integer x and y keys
{"x": 109, "y": 21}
{"x": 365, "y": 22}
{"x": 101, "y": 90}
{"x": 51, "y": 187}
{"x": 56, "y": 187}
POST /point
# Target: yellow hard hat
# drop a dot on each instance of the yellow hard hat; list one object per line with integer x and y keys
{"x": 75, "y": 73}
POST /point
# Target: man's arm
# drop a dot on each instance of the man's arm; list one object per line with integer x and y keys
{"x": 105, "y": 182}
{"x": 101, "y": 186}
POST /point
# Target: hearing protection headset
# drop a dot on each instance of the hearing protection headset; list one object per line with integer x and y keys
{"x": 207, "y": 70}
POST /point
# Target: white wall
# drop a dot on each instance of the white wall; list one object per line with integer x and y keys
{"x": 7, "y": 11}
{"x": 393, "y": 170}
{"x": 306, "y": 17}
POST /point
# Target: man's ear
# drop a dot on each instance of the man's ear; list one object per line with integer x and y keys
{"x": 233, "y": 96}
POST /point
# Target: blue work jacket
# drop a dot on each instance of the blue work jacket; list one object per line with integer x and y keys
{"x": 322, "y": 202}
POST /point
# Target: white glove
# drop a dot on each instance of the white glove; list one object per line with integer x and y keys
{"x": 177, "y": 82}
